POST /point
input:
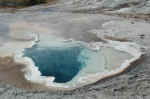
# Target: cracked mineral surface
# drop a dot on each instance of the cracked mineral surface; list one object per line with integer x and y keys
{"x": 73, "y": 17}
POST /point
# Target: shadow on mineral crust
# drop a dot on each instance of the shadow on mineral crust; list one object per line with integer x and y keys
{"x": 11, "y": 73}
{"x": 129, "y": 69}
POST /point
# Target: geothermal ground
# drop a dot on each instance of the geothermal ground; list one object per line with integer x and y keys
{"x": 77, "y": 18}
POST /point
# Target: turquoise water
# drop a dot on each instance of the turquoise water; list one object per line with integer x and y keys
{"x": 64, "y": 62}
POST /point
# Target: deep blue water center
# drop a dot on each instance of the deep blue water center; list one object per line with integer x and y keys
{"x": 64, "y": 63}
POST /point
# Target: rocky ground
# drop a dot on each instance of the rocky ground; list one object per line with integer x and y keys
{"x": 76, "y": 17}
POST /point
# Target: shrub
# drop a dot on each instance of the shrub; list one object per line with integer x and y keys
{"x": 20, "y": 2}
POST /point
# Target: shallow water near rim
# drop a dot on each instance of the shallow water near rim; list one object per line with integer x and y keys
{"x": 67, "y": 62}
{"x": 63, "y": 63}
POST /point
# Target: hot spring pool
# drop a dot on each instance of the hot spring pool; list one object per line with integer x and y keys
{"x": 64, "y": 63}
{"x": 38, "y": 56}
{"x": 73, "y": 63}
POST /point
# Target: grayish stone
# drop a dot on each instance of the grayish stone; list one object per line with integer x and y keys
{"x": 134, "y": 83}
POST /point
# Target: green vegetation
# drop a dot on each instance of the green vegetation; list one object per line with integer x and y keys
{"x": 33, "y": 2}
{"x": 14, "y": 3}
